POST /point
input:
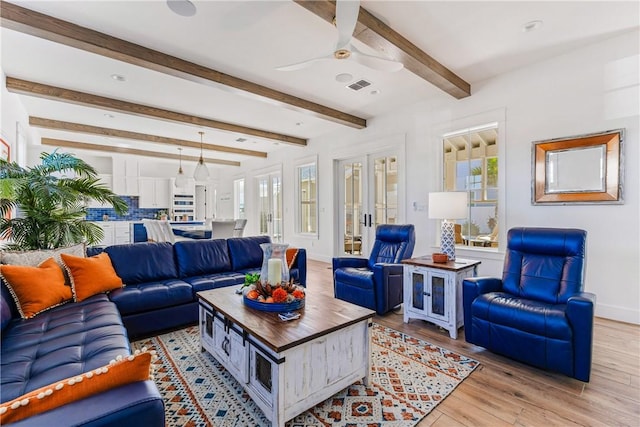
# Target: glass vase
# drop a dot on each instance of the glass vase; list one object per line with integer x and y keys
{"x": 274, "y": 264}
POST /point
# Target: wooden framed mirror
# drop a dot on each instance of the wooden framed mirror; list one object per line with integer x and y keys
{"x": 582, "y": 169}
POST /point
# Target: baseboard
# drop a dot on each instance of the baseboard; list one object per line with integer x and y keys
{"x": 620, "y": 314}
{"x": 320, "y": 258}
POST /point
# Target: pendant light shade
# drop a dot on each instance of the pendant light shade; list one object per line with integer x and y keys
{"x": 201, "y": 173}
{"x": 181, "y": 178}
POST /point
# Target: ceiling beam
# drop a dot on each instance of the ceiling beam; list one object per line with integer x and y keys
{"x": 40, "y": 122}
{"x": 71, "y": 96}
{"x": 131, "y": 151}
{"x": 379, "y": 36}
{"x": 47, "y": 27}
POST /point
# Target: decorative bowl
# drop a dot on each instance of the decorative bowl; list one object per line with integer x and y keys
{"x": 273, "y": 307}
{"x": 439, "y": 257}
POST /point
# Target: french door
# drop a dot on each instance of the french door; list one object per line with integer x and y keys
{"x": 270, "y": 205}
{"x": 369, "y": 197}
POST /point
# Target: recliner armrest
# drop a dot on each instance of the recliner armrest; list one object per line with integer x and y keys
{"x": 472, "y": 287}
{"x": 580, "y": 312}
{"x": 387, "y": 282}
{"x": 354, "y": 262}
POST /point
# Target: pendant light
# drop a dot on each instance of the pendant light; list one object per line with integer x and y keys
{"x": 201, "y": 173}
{"x": 181, "y": 178}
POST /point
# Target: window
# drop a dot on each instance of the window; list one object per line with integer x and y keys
{"x": 238, "y": 197}
{"x": 307, "y": 215}
{"x": 471, "y": 164}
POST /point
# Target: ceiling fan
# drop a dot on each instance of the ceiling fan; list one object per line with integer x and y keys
{"x": 347, "y": 12}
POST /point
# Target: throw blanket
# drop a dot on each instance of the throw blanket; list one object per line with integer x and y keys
{"x": 291, "y": 255}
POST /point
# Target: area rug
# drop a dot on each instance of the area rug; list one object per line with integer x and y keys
{"x": 409, "y": 377}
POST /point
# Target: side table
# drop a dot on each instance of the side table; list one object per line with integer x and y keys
{"x": 433, "y": 291}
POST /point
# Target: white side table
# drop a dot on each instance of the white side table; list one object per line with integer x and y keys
{"x": 433, "y": 291}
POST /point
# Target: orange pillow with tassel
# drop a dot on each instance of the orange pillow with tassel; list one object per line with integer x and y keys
{"x": 123, "y": 370}
{"x": 90, "y": 276}
{"x": 36, "y": 289}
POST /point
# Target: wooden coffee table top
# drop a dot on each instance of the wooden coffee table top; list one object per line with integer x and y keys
{"x": 320, "y": 316}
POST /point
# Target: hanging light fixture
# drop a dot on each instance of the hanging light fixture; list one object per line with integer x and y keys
{"x": 181, "y": 178}
{"x": 201, "y": 173}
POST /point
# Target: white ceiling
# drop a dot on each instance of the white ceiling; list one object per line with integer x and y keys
{"x": 476, "y": 40}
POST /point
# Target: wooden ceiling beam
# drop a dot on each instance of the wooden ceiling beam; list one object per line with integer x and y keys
{"x": 47, "y": 27}
{"x": 384, "y": 39}
{"x": 71, "y": 96}
{"x": 40, "y": 122}
{"x": 131, "y": 151}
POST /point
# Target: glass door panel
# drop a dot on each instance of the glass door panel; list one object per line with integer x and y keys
{"x": 270, "y": 206}
{"x": 352, "y": 207}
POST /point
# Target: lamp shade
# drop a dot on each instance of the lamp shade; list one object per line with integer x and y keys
{"x": 448, "y": 205}
{"x": 181, "y": 179}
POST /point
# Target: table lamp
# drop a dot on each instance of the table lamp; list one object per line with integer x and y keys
{"x": 447, "y": 206}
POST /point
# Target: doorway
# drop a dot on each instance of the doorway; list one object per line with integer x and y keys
{"x": 368, "y": 196}
{"x": 270, "y": 205}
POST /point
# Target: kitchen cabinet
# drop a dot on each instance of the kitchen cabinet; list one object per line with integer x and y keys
{"x": 107, "y": 181}
{"x": 154, "y": 193}
{"x": 115, "y": 232}
{"x": 125, "y": 177}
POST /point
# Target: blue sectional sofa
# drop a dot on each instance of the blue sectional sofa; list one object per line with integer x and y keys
{"x": 161, "y": 281}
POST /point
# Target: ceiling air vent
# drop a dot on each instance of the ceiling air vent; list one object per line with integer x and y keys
{"x": 241, "y": 139}
{"x": 360, "y": 84}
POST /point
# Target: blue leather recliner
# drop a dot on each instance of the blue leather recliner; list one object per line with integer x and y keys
{"x": 537, "y": 313}
{"x": 376, "y": 283}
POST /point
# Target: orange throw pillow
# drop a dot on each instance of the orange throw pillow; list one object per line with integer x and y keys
{"x": 117, "y": 373}
{"x": 90, "y": 276}
{"x": 291, "y": 255}
{"x": 36, "y": 289}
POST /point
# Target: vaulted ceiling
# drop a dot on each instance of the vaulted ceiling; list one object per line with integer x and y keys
{"x": 134, "y": 75}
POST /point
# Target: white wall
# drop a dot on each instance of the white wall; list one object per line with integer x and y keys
{"x": 588, "y": 90}
{"x": 13, "y": 116}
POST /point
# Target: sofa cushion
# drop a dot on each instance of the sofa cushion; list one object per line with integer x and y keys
{"x": 199, "y": 257}
{"x": 213, "y": 281}
{"x": 246, "y": 252}
{"x": 60, "y": 343}
{"x": 124, "y": 370}
{"x": 143, "y": 262}
{"x": 90, "y": 276}
{"x": 526, "y": 315}
{"x": 36, "y": 289}
{"x": 143, "y": 297}
{"x": 7, "y": 306}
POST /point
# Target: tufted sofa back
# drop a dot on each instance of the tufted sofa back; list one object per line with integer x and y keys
{"x": 393, "y": 244}
{"x": 143, "y": 262}
{"x": 545, "y": 264}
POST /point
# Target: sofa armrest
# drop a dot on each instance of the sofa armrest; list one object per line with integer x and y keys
{"x": 473, "y": 287}
{"x": 301, "y": 264}
{"x": 343, "y": 262}
{"x": 387, "y": 282}
{"x": 580, "y": 312}
{"x": 132, "y": 405}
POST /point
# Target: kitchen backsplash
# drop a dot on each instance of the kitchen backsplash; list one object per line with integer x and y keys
{"x": 135, "y": 213}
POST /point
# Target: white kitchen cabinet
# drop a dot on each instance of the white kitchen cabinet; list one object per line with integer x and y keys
{"x": 154, "y": 193}
{"x": 125, "y": 177}
{"x": 122, "y": 232}
{"x": 115, "y": 232}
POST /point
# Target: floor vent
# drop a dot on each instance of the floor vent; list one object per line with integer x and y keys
{"x": 241, "y": 139}
{"x": 360, "y": 84}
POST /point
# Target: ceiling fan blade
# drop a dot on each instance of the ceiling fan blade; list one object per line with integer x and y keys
{"x": 375, "y": 62}
{"x": 347, "y": 12}
{"x": 304, "y": 64}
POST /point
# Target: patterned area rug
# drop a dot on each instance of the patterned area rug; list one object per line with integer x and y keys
{"x": 409, "y": 377}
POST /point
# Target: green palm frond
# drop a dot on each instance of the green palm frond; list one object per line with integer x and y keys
{"x": 51, "y": 206}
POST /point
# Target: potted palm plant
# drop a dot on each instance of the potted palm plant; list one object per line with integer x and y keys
{"x": 51, "y": 206}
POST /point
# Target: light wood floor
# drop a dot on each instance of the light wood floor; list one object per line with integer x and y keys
{"x": 502, "y": 392}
